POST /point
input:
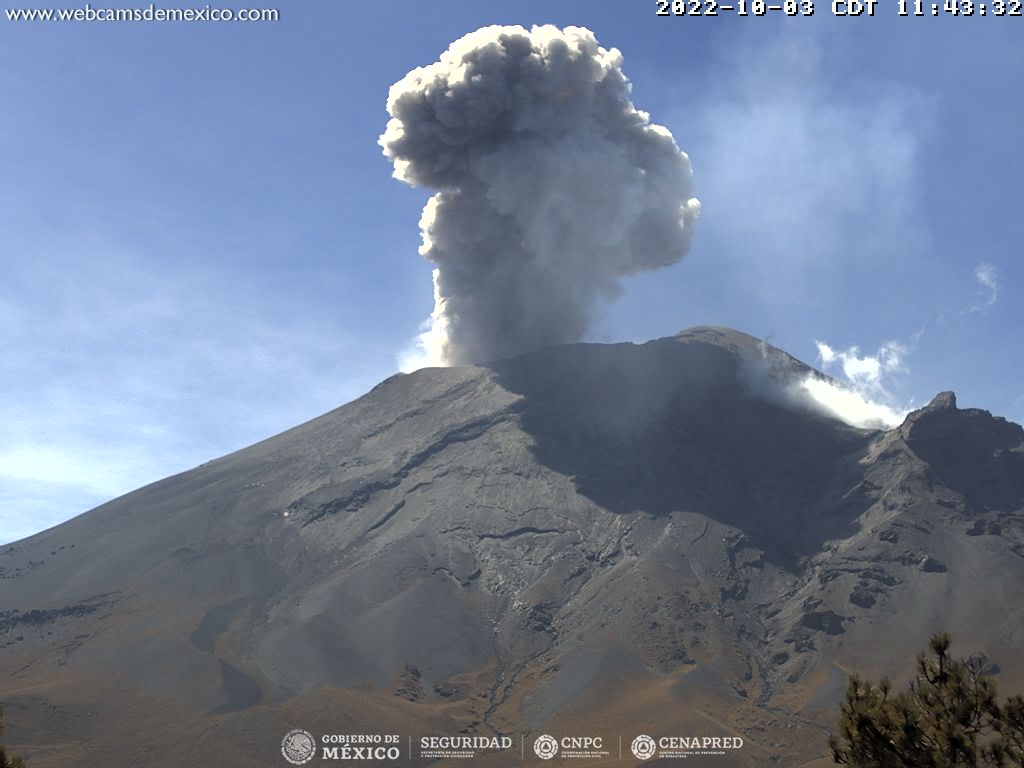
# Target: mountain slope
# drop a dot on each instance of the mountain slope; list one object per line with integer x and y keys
{"x": 622, "y": 538}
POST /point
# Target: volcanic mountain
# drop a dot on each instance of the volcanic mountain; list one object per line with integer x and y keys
{"x": 589, "y": 539}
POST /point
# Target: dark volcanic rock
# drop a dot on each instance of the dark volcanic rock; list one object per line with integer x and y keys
{"x": 984, "y": 664}
{"x": 824, "y": 621}
{"x": 930, "y": 564}
{"x": 862, "y": 596}
{"x": 540, "y": 617}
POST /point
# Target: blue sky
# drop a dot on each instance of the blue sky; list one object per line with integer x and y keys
{"x": 202, "y": 245}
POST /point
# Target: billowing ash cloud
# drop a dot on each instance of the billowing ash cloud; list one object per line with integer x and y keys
{"x": 551, "y": 186}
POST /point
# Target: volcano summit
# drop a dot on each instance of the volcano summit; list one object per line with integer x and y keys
{"x": 587, "y": 539}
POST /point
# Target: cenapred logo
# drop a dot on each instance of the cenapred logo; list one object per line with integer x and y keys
{"x": 546, "y": 747}
{"x": 643, "y": 747}
{"x": 298, "y": 746}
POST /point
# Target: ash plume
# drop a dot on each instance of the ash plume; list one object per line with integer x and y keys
{"x": 550, "y": 187}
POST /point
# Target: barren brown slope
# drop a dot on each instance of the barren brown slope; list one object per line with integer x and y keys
{"x": 630, "y": 538}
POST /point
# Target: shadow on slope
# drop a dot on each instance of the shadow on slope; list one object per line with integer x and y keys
{"x": 674, "y": 425}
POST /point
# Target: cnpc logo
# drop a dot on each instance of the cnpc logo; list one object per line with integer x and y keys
{"x": 546, "y": 747}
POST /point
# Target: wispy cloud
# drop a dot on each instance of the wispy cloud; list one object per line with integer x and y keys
{"x": 988, "y": 284}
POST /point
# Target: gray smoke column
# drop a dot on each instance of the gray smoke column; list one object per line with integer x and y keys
{"x": 551, "y": 186}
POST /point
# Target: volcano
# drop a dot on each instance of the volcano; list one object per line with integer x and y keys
{"x": 592, "y": 539}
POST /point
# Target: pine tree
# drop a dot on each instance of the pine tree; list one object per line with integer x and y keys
{"x": 1009, "y": 748}
{"x": 5, "y": 760}
{"x": 948, "y": 717}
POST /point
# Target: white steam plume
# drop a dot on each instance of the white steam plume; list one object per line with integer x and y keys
{"x": 551, "y": 187}
{"x": 864, "y": 373}
{"x": 430, "y": 343}
{"x": 863, "y": 400}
